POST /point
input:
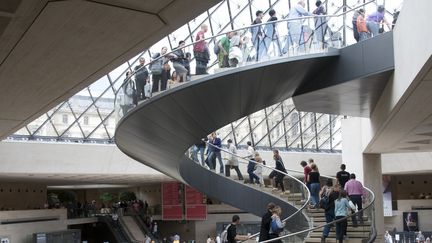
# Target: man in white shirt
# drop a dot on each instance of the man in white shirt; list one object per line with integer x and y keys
{"x": 232, "y": 162}
{"x": 250, "y": 151}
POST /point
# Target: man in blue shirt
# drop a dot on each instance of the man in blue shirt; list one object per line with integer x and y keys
{"x": 216, "y": 152}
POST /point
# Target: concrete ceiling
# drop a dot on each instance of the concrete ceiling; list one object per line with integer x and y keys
{"x": 410, "y": 128}
{"x": 50, "y": 50}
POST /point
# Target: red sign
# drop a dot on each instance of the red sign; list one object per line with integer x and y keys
{"x": 172, "y": 208}
{"x": 195, "y": 207}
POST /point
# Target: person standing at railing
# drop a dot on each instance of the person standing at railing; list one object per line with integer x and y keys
{"x": 258, "y": 35}
{"x": 314, "y": 181}
{"x": 320, "y": 24}
{"x": 166, "y": 75}
{"x": 156, "y": 68}
{"x": 129, "y": 93}
{"x": 342, "y": 207}
{"x": 276, "y": 225}
{"x": 199, "y": 148}
{"x": 201, "y": 52}
{"x": 376, "y": 19}
{"x": 216, "y": 152}
{"x": 178, "y": 58}
{"x": 361, "y": 26}
{"x": 224, "y": 48}
{"x": 354, "y": 24}
{"x": 141, "y": 78}
{"x": 265, "y": 223}
{"x": 233, "y": 162}
{"x": 235, "y": 53}
{"x": 355, "y": 191}
{"x": 295, "y": 27}
{"x": 271, "y": 36}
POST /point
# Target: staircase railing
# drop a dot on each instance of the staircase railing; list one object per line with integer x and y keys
{"x": 307, "y": 35}
{"x": 369, "y": 209}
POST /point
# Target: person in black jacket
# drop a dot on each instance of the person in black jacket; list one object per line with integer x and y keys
{"x": 279, "y": 176}
{"x": 265, "y": 223}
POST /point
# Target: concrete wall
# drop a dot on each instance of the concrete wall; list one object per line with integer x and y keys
{"x": 18, "y": 196}
{"x": 396, "y": 221}
{"x": 22, "y": 232}
{"x": 407, "y": 163}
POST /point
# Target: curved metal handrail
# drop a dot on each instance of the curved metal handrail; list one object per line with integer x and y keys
{"x": 369, "y": 191}
{"x": 272, "y": 169}
{"x": 168, "y": 54}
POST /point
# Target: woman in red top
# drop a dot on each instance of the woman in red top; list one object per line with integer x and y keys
{"x": 361, "y": 25}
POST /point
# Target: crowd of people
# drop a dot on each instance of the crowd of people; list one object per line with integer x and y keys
{"x": 338, "y": 200}
{"x": 250, "y": 44}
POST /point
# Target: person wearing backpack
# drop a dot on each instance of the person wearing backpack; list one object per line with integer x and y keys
{"x": 329, "y": 194}
{"x": 156, "y": 68}
{"x": 276, "y": 225}
{"x": 229, "y": 235}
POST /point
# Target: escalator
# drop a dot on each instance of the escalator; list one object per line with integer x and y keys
{"x": 116, "y": 229}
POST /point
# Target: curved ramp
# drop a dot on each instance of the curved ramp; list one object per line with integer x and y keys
{"x": 159, "y": 131}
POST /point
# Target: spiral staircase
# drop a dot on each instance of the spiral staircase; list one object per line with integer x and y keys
{"x": 158, "y": 131}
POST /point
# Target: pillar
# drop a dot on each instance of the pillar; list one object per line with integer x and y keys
{"x": 373, "y": 180}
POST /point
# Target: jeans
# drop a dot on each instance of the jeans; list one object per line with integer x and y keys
{"x": 253, "y": 176}
{"x": 195, "y": 152}
{"x": 330, "y": 216}
{"x": 340, "y": 228}
{"x": 218, "y": 156}
{"x": 373, "y": 28}
{"x": 315, "y": 188}
{"x": 236, "y": 168}
{"x": 279, "y": 181}
{"x": 363, "y": 36}
{"x": 357, "y": 200}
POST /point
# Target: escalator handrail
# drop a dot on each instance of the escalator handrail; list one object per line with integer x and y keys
{"x": 168, "y": 54}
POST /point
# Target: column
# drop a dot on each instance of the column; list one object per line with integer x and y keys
{"x": 373, "y": 180}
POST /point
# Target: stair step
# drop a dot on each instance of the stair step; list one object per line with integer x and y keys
{"x": 331, "y": 240}
{"x": 333, "y": 234}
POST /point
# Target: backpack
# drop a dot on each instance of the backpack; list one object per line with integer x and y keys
{"x": 216, "y": 48}
{"x": 156, "y": 66}
{"x": 324, "y": 202}
{"x": 224, "y": 234}
{"x": 274, "y": 226}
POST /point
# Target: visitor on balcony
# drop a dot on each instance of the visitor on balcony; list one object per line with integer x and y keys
{"x": 314, "y": 181}
{"x": 361, "y": 26}
{"x": 376, "y": 21}
{"x": 258, "y": 35}
{"x": 355, "y": 191}
{"x": 276, "y": 225}
{"x": 166, "y": 75}
{"x": 354, "y": 25}
{"x": 199, "y": 148}
{"x": 235, "y": 53}
{"x": 295, "y": 27}
{"x": 224, "y": 48}
{"x": 178, "y": 59}
{"x": 201, "y": 52}
{"x": 232, "y": 162}
{"x": 129, "y": 93}
{"x": 216, "y": 143}
{"x": 321, "y": 27}
{"x": 271, "y": 38}
{"x": 156, "y": 69}
{"x": 141, "y": 78}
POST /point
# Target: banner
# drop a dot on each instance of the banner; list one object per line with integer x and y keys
{"x": 410, "y": 220}
{"x": 196, "y": 209}
{"x": 387, "y": 196}
{"x": 172, "y": 207}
